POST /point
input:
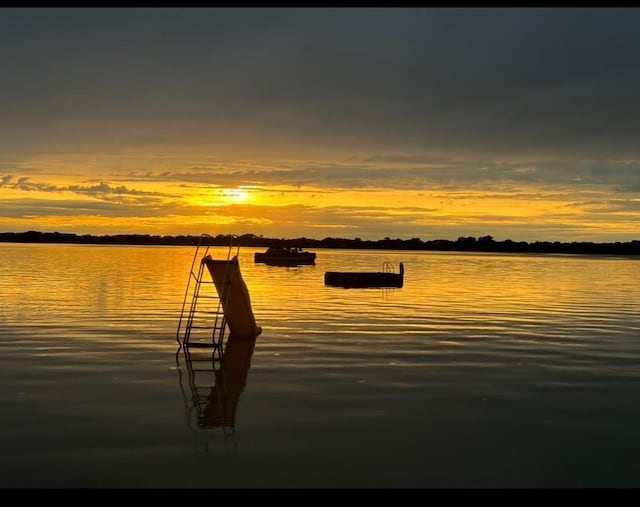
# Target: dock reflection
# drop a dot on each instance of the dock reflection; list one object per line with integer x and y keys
{"x": 212, "y": 380}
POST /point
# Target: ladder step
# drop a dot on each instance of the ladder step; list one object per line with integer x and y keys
{"x": 212, "y": 324}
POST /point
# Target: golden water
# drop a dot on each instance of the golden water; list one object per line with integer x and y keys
{"x": 483, "y": 370}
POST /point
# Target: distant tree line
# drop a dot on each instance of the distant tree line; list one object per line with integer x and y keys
{"x": 462, "y": 244}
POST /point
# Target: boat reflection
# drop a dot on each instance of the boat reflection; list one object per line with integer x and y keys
{"x": 214, "y": 380}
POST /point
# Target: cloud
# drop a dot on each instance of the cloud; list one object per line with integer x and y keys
{"x": 451, "y": 81}
{"x": 417, "y": 173}
{"x": 102, "y": 191}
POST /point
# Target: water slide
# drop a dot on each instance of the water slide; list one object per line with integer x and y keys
{"x": 234, "y": 296}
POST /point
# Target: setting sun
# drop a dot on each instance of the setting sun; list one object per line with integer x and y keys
{"x": 234, "y": 195}
{"x": 218, "y": 196}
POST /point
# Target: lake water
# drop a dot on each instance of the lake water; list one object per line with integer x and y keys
{"x": 482, "y": 371}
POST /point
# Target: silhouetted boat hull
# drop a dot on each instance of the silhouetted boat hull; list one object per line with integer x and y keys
{"x": 285, "y": 257}
{"x": 364, "y": 279}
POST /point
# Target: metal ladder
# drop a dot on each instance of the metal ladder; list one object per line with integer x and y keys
{"x": 200, "y": 337}
{"x": 198, "y": 327}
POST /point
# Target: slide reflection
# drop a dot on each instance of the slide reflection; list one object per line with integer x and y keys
{"x": 213, "y": 380}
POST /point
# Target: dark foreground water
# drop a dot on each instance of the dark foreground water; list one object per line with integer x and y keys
{"x": 483, "y": 371}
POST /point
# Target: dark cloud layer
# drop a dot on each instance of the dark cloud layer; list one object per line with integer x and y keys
{"x": 485, "y": 81}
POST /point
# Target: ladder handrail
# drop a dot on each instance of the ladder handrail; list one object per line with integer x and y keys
{"x": 192, "y": 276}
{"x": 192, "y": 289}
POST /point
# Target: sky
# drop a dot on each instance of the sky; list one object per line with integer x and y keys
{"x": 290, "y": 122}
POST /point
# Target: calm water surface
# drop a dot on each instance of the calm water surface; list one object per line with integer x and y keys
{"x": 482, "y": 371}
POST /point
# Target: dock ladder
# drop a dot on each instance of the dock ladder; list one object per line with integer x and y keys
{"x": 200, "y": 336}
{"x": 202, "y": 321}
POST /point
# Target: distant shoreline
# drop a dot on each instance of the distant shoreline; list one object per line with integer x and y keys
{"x": 462, "y": 244}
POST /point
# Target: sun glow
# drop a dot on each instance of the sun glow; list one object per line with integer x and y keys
{"x": 234, "y": 195}
{"x": 221, "y": 196}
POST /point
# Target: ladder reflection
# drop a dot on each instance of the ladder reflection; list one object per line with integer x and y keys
{"x": 214, "y": 380}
